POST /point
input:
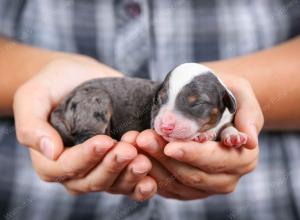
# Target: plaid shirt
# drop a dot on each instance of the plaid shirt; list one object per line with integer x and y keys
{"x": 146, "y": 38}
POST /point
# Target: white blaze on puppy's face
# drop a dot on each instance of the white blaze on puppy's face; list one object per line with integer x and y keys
{"x": 191, "y": 101}
{"x": 169, "y": 122}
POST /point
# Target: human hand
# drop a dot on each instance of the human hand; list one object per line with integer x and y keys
{"x": 99, "y": 164}
{"x": 210, "y": 168}
{"x": 34, "y": 100}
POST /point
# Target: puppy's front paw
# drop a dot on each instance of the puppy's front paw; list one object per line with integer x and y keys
{"x": 233, "y": 138}
{"x": 205, "y": 136}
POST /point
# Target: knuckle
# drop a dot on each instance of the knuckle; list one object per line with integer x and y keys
{"x": 196, "y": 180}
{"x": 218, "y": 168}
{"x": 114, "y": 169}
{"x": 249, "y": 168}
{"x": 22, "y": 132}
{"x": 94, "y": 187}
{"x": 69, "y": 173}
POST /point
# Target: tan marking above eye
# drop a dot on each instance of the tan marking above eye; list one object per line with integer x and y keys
{"x": 192, "y": 99}
{"x": 214, "y": 111}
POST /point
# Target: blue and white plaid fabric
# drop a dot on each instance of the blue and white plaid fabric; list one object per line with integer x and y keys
{"x": 146, "y": 38}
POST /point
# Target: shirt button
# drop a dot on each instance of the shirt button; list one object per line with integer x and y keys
{"x": 133, "y": 9}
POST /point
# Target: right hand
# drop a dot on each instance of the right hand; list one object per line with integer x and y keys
{"x": 98, "y": 164}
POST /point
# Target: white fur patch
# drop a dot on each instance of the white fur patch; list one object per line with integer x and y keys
{"x": 181, "y": 76}
{"x": 225, "y": 119}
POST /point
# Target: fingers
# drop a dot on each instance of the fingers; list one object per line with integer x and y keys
{"x": 130, "y": 137}
{"x": 134, "y": 172}
{"x": 198, "y": 180}
{"x": 31, "y": 111}
{"x": 150, "y": 141}
{"x": 249, "y": 117}
{"x": 169, "y": 187}
{"x": 145, "y": 189}
{"x": 105, "y": 174}
{"x": 185, "y": 173}
{"x": 212, "y": 157}
{"x": 75, "y": 161}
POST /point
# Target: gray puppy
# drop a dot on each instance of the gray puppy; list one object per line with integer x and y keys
{"x": 191, "y": 103}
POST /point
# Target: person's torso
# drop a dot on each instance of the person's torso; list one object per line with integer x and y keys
{"x": 147, "y": 38}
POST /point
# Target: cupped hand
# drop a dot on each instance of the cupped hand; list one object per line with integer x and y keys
{"x": 98, "y": 164}
{"x": 35, "y": 99}
{"x": 207, "y": 168}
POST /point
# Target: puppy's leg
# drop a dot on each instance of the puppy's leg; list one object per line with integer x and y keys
{"x": 231, "y": 137}
{"x": 205, "y": 136}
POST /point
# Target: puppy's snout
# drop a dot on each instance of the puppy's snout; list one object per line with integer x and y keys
{"x": 167, "y": 128}
{"x": 168, "y": 122}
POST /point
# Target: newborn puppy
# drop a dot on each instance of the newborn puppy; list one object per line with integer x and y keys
{"x": 109, "y": 106}
{"x": 191, "y": 104}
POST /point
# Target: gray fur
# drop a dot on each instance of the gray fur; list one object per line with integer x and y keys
{"x": 114, "y": 106}
{"x": 210, "y": 99}
{"x": 109, "y": 106}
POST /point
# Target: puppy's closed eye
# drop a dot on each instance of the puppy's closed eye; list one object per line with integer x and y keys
{"x": 195, "y": 100}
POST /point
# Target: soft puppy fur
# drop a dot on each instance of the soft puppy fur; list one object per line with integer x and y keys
{"x": 191, "y": 103}
{"x": 194, "y": 104}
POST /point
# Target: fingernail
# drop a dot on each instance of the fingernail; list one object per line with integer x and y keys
{"x": 146, "y": 189}
{"x": 100, "y": 149}
{"x": 176, "y": 153}
{"x": 103, "y": 147}
{"x": 47, "y": 147}
{"x": 153, "y": 146}
{"x": 139, "y": 170}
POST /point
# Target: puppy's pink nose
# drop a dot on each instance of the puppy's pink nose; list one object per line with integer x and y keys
{"x": 168, "y": 118}
{"x": 167, "y": 128}
{"x": 168, "y": 121}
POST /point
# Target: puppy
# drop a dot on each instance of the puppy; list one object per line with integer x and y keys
{"x": 191, "y": 104}
{"x": 194, "y": 104}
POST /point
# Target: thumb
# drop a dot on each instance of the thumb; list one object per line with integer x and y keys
{"x": 32, "y": 128}
{"x": 40, "y": 136}
{"x": 244, "y": 124}
{"x": 249, "y": 118}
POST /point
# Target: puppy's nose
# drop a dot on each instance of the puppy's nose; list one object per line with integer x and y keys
{"x": 167, "y": 128}
{"x": 168, "y": 118}
{"x": 168, "y": 121}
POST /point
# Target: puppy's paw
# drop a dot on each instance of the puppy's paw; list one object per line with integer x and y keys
{"x": 205, "y": 136}
{"x": 235, "y": 140}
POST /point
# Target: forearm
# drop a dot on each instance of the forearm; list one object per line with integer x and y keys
{"x": 19, "y": 62}
{"x": 275, "y": 77}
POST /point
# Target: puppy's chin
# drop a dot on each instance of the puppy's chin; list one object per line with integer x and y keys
{"x": 174, "y": 139}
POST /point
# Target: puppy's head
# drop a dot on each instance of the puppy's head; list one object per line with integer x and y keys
{"x": 190, "y": 100}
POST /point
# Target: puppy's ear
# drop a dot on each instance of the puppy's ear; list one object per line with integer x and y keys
{"x": 228, "y": 98}
{"x": 229, "y": 101}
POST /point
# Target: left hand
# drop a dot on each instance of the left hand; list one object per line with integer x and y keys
{"x": 209, "y": 168}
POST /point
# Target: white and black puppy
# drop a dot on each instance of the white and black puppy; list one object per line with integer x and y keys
{"x": 191, "y": 103}
{"x": 194, "y": 104}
